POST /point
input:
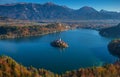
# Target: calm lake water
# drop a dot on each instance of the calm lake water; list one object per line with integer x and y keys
{"x": 86, "y": 48}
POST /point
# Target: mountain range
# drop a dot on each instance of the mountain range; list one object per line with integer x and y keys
{"x": 47, "y": 11}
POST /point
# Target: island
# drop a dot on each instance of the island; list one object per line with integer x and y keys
{"x": 59, "y": 43}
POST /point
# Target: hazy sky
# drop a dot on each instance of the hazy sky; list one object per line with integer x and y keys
{"x": 110, "y": 5}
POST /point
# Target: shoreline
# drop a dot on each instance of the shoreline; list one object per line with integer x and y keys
{"x": 14, "y": 37}
{"x": 12, "y": 32}
{"x": 107, "y": 70}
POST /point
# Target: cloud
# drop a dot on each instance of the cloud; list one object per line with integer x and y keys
{"x": 7, "y": 1}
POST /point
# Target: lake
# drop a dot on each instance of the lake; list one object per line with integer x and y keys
{"x": 86, "y": 48}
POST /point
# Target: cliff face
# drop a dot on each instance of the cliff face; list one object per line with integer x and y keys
{"x": 32, "y": 11}
{"x": 111, "y": 31}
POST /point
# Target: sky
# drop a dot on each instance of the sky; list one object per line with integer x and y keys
{"x": 110, "y": 5}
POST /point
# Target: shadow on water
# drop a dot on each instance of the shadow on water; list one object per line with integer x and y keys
{"x": 115, "y": 54}
{"x": 114, "y": 49}
{"x": 23, "y": 39}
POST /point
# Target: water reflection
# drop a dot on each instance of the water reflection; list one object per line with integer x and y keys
{"x": 62, "y": 50}
{"x": 23, "y": 39}
{"x": 115, "y": 54}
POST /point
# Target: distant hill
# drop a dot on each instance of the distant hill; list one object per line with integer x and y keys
{"x": 88, "y": 13}
{"x": 47, "y": 11}
{"x": 111, "y": 31}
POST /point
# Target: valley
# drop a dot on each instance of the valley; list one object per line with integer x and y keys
{"x": 90, "y": 35}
